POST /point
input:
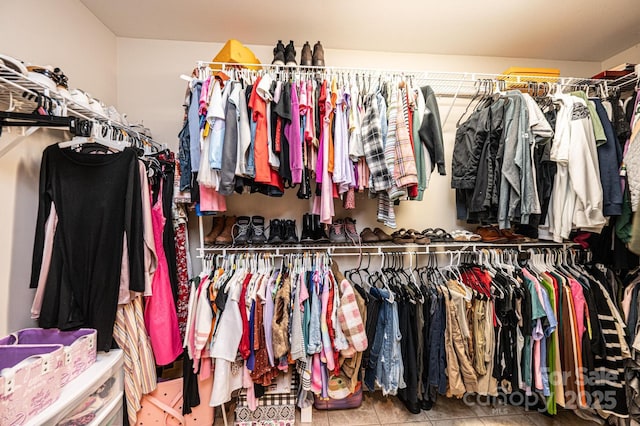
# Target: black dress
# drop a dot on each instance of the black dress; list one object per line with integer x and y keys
{"x": 98, "y": 203}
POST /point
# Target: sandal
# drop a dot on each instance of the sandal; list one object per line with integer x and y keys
{"x": 402, "y": 236}
{"x": 428, "y": 233}
{"x": 441, "y": 236}
{"x": 464, "y": 235}
{"x": 420, "y": 238}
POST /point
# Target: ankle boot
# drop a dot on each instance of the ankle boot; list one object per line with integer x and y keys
{"x": 278, "y": 54}
{"x": 290, "y": 55}
{"x": 242, "y": 233}
{"x": 275, "y": 231}
{"x": 306, "y": 56}
{"x": 257, "y": 230}
{"x": 336, "y": 232}
{"x": 318, "y": 55}
{"x": 307, "y": 229}
{"x": 351, "y": 231}
{"x": 216, "y": 229}
{"x": 290, "y": 232}
{"x": 320, "y": 236}
{"x": 226, "y": 236}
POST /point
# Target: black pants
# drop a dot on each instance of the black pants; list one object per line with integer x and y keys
{"x": 409, "y": 350}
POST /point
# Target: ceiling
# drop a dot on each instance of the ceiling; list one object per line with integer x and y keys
{"x": 578, "y": 30}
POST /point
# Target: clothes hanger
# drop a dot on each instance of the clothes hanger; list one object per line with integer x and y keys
{"x": 98, "y": 135}
{"x": 477, "y": 85}
{"x": 380, "y": 277}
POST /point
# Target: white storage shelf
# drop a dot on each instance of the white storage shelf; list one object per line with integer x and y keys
{"x": 108, "y": 364}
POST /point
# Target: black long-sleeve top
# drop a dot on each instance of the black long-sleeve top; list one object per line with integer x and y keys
{"x": 98, "y": 203}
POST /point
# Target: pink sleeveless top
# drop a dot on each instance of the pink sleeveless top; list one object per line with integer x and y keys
{"x": 160, "y": 314}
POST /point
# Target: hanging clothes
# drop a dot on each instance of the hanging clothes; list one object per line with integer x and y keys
{"x": 84, "y": 276}
{"x": 267, "y": 317}
{"x": 160, "y": 313}
{"x": 292, "y": 130}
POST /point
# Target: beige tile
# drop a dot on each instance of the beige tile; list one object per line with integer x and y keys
{"x": 363, "y": 415}
{"x": 521, "y": 420}
{"x": 410, "y": 424}
{"x": 318, "y": 417}
{"x": 563, "y": 417}
{"x": 450, "y": 408}
{"x": 568, "y": 418}
{"x": 542, "y": 420}
{"x": 391, "y": 410}
{"x": 483, "y": 407}
{"x": 471, "y": 421}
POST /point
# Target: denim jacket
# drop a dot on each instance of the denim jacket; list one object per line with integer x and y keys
{"x": 315, "y": 335}
{"x": 385, "y": 360}
{"x": 390, "y": 371}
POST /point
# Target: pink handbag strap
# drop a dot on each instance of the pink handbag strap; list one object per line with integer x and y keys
{"x": 168, "y": 409}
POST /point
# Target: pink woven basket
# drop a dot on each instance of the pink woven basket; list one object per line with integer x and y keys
{"x": 29, "y": 380}
{"x": 79, "y": 347}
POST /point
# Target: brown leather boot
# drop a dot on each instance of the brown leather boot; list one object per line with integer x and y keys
{"x": 216, "y": 229}
{"x": 318, "y": 55}
{"x": 226, "y": 236}
{"x": 306, "y": 57}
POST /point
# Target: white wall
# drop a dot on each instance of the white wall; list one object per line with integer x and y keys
{"x": 149, "y": 87}
{"x": 630, "y": 55}
{"x": 61, "y": 33}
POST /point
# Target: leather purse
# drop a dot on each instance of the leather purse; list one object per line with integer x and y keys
{"x": 164, "y": 405}
{"x": 353, "y": 400}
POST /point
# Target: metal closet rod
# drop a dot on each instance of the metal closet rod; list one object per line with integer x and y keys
{"x": 444, "y": 76}
{"x": 352, "y": 251}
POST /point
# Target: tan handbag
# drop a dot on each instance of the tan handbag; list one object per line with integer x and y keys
{"x": 164, "y": 405}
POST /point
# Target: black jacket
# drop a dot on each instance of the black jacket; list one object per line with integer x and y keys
{"x": 431, "y": 130}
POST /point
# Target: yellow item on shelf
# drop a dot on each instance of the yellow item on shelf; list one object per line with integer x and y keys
{"x": 520, "y": 77}
{"x": 235, "y": 52}
{"x": 545, "y": 72}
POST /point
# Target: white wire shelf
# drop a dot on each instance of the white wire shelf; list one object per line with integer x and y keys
{"x": 375, "y": 248}
{"x": 19, "y": 93}
{"x": 459, "y": 84}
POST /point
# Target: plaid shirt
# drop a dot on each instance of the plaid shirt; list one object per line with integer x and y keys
{"x": 373, "y": 147}
{"x": 350, "y": 318}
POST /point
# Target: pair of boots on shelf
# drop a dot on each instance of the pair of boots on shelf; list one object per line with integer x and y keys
{"x": 344, "y": 231}
{"x": 287, "y": 55}
{"x": 312, "y": 230}
{"x": 251, "y": 230}
{"x": 282, "y": 231}
{"x": 221, "y": 230}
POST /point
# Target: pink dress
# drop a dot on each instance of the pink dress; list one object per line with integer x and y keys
{"x": 160, "y": 314}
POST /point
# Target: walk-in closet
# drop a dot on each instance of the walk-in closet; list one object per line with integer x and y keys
{"x": 342, "y": 213}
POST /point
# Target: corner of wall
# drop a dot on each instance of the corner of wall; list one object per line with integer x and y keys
{"x": 630, "y": 55}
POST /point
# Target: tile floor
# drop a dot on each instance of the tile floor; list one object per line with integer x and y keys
{"x": 379, "y": 410}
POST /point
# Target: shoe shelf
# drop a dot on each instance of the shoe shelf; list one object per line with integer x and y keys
{"x": 21, "y": 94}
{"x": 347, "y": 249}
